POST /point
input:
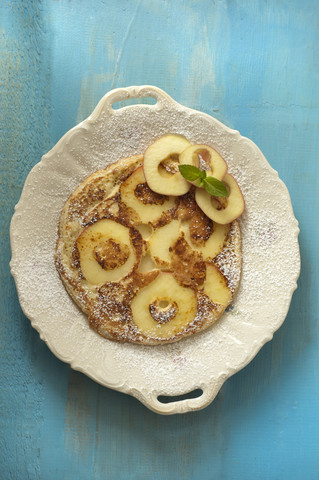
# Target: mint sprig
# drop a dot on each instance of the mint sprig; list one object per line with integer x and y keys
{"x": 191, "y": 173}
{"x": 212, "y": 185}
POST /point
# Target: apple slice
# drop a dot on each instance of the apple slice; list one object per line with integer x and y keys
{"x": 106, "y": 252}
{"x": 165, "y": 152}
{"x": 136, "y": 194}
{"x": 213, "y": 245}
{"x": 163, "y": 308}
{"x": 162, "y": 240}
{"x": 222, "y": 210}
{"x": 215, "y": 286}
{"x": 205, "y": 158}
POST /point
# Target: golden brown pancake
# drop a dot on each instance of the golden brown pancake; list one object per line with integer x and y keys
{"x": 145, "y": 268}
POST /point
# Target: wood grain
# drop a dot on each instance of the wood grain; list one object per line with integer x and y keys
{"x": 252, "y": 65}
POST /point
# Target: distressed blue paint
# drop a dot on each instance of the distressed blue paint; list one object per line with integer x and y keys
{"x": 253, "y": 65}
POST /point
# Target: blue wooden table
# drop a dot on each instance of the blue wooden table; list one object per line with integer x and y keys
{"x": 254, "y": 65}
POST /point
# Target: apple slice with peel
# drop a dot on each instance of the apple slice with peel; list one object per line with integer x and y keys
{"x": 205, "y": 158}
{"x": 161, "y": 160}
{"x": 225, "y": 209}
{"x": 163, "y": 308}
{"x": 136, "y": 194}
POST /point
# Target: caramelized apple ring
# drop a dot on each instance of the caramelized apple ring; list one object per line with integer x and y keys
{"x": 213, "y": 245}
{"x": 163, "y": 308}
{"x": 136, "y": 194}
{"x": 106, "y": 251}
{"x": 163, "y": 238}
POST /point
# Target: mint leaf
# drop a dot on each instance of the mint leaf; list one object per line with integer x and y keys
{"x": 215, "y": 187}
{"x": 211, "y": 184}
{"x": 190, "y": 172}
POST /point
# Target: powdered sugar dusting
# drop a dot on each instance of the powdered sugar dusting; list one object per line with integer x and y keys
{"x": 228, "y": 261}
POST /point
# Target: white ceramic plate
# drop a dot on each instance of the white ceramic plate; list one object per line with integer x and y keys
{"x": 271, "y": 261}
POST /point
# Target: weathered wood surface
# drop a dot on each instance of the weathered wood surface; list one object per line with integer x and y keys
{"x": 254, "y": 65}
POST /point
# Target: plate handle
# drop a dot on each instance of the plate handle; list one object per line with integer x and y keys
{"x": 106, "y": 103}
{"x": 160, "y": 403}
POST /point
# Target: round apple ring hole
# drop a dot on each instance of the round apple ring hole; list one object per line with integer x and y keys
{"x": 220, "y": 203}
{"x": 203, "y": 157}
{"x": 163, "y": 310}
{"x": 169, "y": 165}
{"x": 163, "y": 304}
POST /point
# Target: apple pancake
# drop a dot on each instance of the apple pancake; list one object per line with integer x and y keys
{"x": 145, "y": 267}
